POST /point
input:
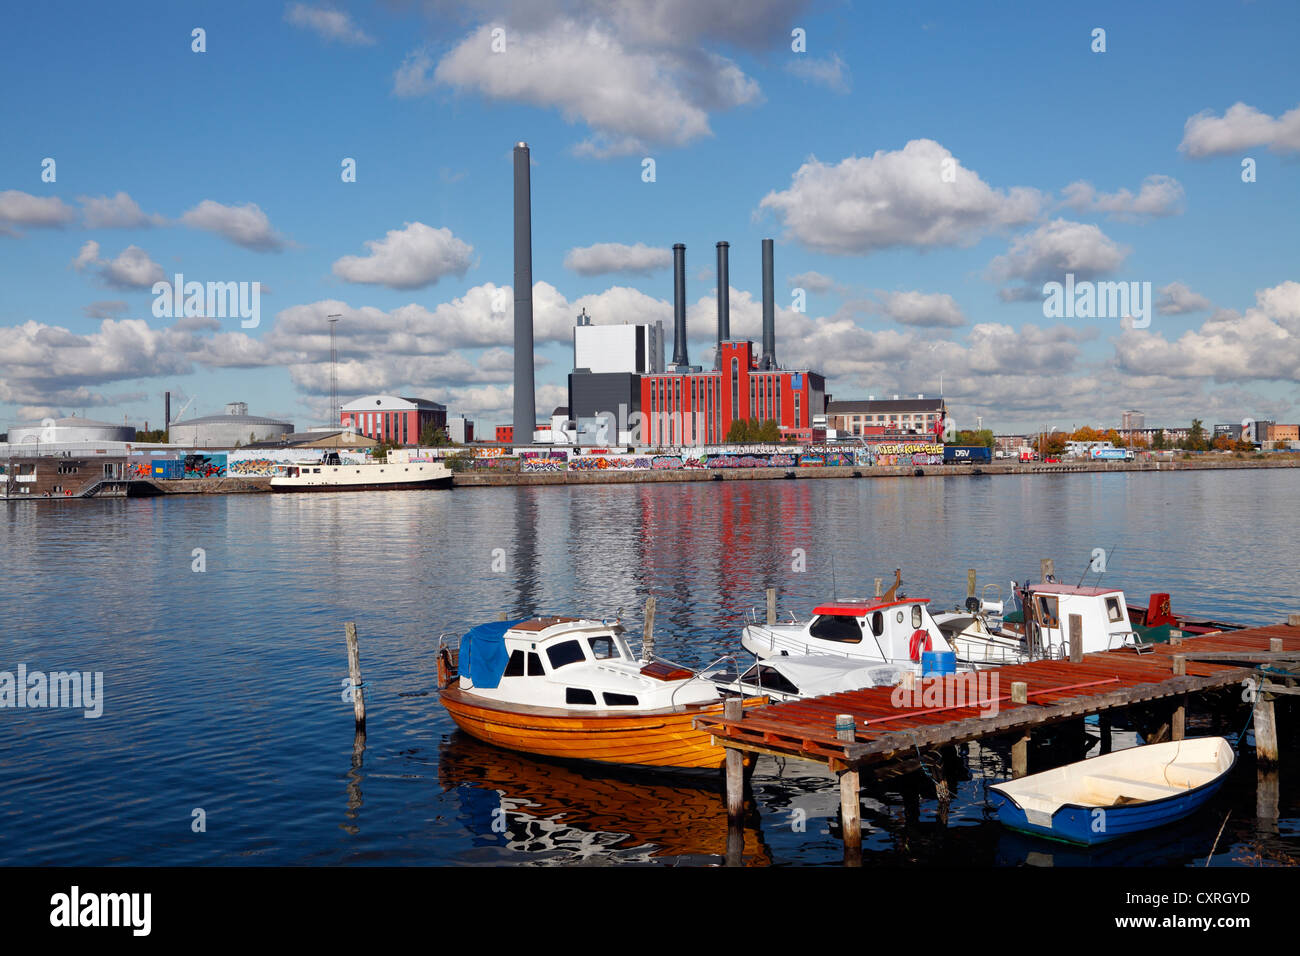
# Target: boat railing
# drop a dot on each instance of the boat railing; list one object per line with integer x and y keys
{"x": 752, "y": 614}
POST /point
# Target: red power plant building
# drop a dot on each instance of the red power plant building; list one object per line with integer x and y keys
{"x": 690, "y": 406}
{"x": 697, "y": 408}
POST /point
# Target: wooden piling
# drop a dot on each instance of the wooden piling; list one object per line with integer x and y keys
{"x": 771, "y": 605}
{"x": 1266, "y": 749}
{"x": 1103, "y": 724}
{"x": 354, "y": 672}
{"x": 851, "y": 816}
{"x": 1293, "y": 620}
{"x": 1178, "y": 719}
{"x": 1076, "y": 638}
{"x": 1275, "y": 644}
{"x": 1048, "y": 567}
{"x": 648, "y": 629}
{"x": 970, "y": 582}
{"x": 879, "y": 583}
{"x": 1020, "y": 756}
{"x": 1019, "y": 692}
{"x": 1180, "y": 665}
{"x": 734, "y": 709}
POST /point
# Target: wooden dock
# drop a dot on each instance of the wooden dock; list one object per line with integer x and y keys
{"x": 1013, "y": 701}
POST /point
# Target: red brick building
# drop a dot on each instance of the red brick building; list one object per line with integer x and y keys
{"x": 390, "y": 418}
{"x": 697, "y": 408}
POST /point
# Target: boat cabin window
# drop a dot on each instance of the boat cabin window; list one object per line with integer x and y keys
{"x": 769, "y": 678}
{"x": 568, "y": 652}
{"x": 534, "y": 665}
{"x": 1048, "y": 611}
{"x": 620, "y": 700}
{"x": 1112, "y": 610}
{"x": 878, "y": 623}
{"x": 603, "y": 648}
{"x": 837, "y": 627}
{"x": 916, "y": 615}
{"x": 515, "y": 666}
{"x": 579, "y": 695}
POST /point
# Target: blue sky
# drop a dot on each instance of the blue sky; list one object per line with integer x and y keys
{"x": 225, "y": 165}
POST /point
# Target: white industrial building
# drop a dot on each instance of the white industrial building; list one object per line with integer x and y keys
{"x": 618, "y": 348}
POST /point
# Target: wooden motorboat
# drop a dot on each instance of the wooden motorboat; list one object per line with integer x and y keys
{"x": 571, "y": 688}
{"x": 1116, "y": 795}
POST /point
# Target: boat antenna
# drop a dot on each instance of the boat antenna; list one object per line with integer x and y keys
{"x": 1106, "y": 557}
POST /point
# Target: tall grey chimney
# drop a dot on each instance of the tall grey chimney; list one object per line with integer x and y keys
{"x": 167, "y": 414}
{"x": 724, "y": 301}
{"x": 525, "y": 416}
{"x": 768, "y": 361}
{"x": 679, "y": 306}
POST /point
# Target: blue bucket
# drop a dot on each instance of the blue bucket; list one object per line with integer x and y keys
{"x": 938, "y": 663}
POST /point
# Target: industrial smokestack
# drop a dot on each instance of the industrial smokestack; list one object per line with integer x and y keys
{"x": 724, "y": 301}
{"x": 679, "y": 306}
{"x": 167, "y": 416}
{"x": 525, "y": 416}
{"x": 768, "y": 361}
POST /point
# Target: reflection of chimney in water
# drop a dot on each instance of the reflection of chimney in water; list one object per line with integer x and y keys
{"x": 724, "y": 301}
{"x": 768, "y": 361}
{"x": 679, "y": 306}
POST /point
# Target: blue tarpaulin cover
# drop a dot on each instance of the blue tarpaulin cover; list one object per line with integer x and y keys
{"x": 483, "y": 652}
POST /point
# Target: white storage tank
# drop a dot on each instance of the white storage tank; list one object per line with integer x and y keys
{"x": 71, "y": 429}
{"x": 235, "y": 427}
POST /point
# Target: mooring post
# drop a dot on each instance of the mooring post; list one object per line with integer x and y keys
{"x": 1275, "y": 644}
{"x": 1293, "y": 620}
{"x": 1019, "y": 692}
{"x": 850, "y": 805}
{"x": 1267, "y": 798}
{"x": 970, "y": 582}
{"x": 1266, "y": 750}
{"x": 1076, "y": 638}
{"x": 879, "y": 582}
{"x": 354, "y": 671}
{"x": 771, "y": 605}
{"x": 734, "y": 709}
{"x": 1020, "y": 756}
{"x": 1048, "y": 567}
{"x": 648, "y": 630}
{"x": 1103, "y": 724}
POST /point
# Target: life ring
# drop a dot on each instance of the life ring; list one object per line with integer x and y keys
{"x": 914, "y": 645}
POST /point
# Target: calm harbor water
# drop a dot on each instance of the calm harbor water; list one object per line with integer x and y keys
{"x": 223, "y": 687}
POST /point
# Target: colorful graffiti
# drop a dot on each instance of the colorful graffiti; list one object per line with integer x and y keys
{"x": 204, "y": 466}
{"x": 533, "y": 465}
{"x": 254, "y": 468}
{"x": 610, "y": 462}
{"x": 752, "y": 461}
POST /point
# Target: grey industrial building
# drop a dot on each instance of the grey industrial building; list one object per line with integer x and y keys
{"x": 235, "y": 427}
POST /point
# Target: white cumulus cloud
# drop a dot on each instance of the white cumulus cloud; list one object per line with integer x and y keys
{"x": 412, "y": 257}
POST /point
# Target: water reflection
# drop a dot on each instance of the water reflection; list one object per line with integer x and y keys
{"x": 539, "y": 811}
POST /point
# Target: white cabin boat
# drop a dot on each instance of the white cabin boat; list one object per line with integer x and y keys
{"x": 982, "y": 636}
{"x": 885, "y": 630}
{"x": 794, "y": 677}
{"x": 330, "y": 474}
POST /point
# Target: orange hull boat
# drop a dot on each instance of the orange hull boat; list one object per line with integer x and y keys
{"x": 662, "y": 738}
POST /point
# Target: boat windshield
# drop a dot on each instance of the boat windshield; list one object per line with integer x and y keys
{"x": 837, "y": 627}
{"x": 604, "y": 648}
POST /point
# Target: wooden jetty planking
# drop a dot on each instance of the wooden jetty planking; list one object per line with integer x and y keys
{"x": 1056, "y": 690}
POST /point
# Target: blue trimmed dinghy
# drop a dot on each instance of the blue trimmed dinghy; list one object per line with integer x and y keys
{"x": 1116, "y": 795}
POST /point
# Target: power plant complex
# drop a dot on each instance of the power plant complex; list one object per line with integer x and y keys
{"x": 619, "y": 370}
